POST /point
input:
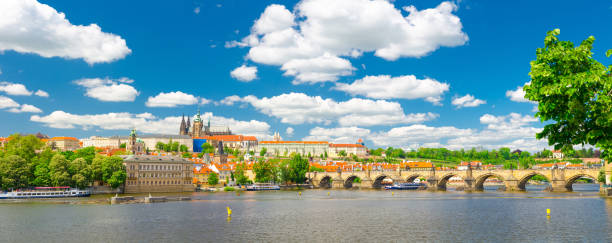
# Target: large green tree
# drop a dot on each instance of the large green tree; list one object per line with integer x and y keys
{"x": 264, "y": 171}
{"x": 213, "y": 179}
{"x": 298, "y": 167}
{"x": 574, "y": 94}
{"x": 14, "y": 172}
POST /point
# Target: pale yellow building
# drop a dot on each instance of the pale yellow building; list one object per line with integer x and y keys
{"x": 148, "y": 173}
{"x": 63, "y": 143}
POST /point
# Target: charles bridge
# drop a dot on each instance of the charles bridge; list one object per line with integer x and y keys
{"x": 514, "y": 180}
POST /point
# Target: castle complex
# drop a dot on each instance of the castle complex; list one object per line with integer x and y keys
{"x": 199, "y": 130}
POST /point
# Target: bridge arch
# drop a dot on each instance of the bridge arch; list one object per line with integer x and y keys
{"x": 413, "y": 177}
{"x": 325, "y": 182}
{"x": 569, "y": 182}
{"x": 378, "y": 181}
{"x": 523, "y": 181}
{"x": 348, "y": 183}
{"x": 444, "y": 180}
{"x": 479, "y": 185}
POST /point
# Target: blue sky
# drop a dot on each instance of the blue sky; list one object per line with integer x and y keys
{"x": 393, "y": 73}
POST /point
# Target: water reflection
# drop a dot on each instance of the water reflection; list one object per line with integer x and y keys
{"x": 318, "y": 215}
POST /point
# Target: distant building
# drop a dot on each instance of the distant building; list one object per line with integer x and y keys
{"x": 101, "y": 142}
{"x": 3, "y": 141}
{"x": 199, "y": 130}
{"x": 63, "y": 143}
{"x": 135, "y": 145}
{"x": 150, "y": 140}
{"x": 240, "y": 142}
{"x": 465, "y": 165}
{"x": 349, "y": 149}
{"x": 315, "y": 148}
{"x": 146, "y": 173}
{"x": 557, "y": 154}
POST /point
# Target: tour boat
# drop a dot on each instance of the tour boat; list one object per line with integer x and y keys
{"x": 405, "y": 186}
{"x": 262, "y": 187}
{"x": 45, "y": 192}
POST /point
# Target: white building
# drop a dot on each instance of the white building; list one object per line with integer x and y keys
{"x": 315, "y": 148}
{"x": 349, "y": 149}
{"x": 101, "y": 142}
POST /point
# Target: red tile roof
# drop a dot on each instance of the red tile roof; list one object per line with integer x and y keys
{"x": 346, "y": 145}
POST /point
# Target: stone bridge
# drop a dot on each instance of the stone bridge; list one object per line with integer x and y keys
{"x": 514, "y": 180}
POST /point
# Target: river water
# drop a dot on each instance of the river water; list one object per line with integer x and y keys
{"x": 313, "y": 216}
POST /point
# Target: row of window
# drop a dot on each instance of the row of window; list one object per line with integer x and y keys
{"x": 156, "y": 182}
{"x": 157, "y": 167}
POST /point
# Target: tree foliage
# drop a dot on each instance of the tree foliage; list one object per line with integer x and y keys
{"x": 574, "y": 94}
{"x": 213, "y": 179}
{"x": 264, "y": 171}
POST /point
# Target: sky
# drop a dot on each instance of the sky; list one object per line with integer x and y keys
{"x": 398, "y": 73}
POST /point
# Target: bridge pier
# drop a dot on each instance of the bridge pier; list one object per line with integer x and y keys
{"x": 432, "y": 184}
{"x": 366, "y": 182}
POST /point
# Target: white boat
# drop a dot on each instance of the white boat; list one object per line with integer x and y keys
{"x": 45, "y": 192}
{"x": 262, "y": 187}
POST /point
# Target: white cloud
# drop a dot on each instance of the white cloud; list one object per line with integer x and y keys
{"x": 14, "y": 89}
{"x": 204, "y": 101}
{"x": 106, "y": 89}
{"x": 467, "y": 101}
{"x": 299, "y": 108}
{"x": 25, "y": 108}
{"x": 244, "y": 73}
{"x": 230, "y": 100}
{"x": 196, "y": 10}
{"x": 289, "y": 131}
{"x": 318, "y": 69}
{"x": 27, "y": 26}
{"x": 171, "y": 99}
{"x": 6, "y": 102}
{"x": 338, "y": 134}
{"x": 347, "y": 28}
{"x": 518, "y": 95}
{"x": 512, "y": 130}
{"x": 41, "y": 93}
{"x": 401, "y": 87}
{"x": 145, "y": 122}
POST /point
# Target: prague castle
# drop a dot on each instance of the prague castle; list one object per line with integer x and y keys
{"x": 199, "y": 130}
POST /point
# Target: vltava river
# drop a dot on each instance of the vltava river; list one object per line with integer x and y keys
{"x": 343, "y": 216}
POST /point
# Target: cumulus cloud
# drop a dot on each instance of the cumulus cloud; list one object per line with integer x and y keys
{"x": 145, "y": 122}
{"x": 41, "y": 93}
{"x": 25, "y": 108}
{"x": 513, "y": 130}
{"x": 401, "y": 87}
{"x": 13, "y": 106}
{"x": 338, "y": 134}
{"x": 467, "y": 101}
{"x": 171, "y": 99}
{"x": 6, "y": 102}
{"x": 106, "y": 89}
{"x": 518, "y": 95}
{"x": 299, "y": 108}
{"x": 14, "y": 89}
{"x": 319, "y": 33}
{"x": 244, "y": 73}
{"x": 27, "y": 26}
{"x": 289, "y": 131}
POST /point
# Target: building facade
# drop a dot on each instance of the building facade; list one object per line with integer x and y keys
{"x": 314, "y": 148}
{"x": 146, "y": 173}
{"x": 199, "y": 130}
{"x": 101, "y": 142}
{"x": 349, "y": 149}
{"x": 240, "y": 142}
{"x": 63, "y": 143}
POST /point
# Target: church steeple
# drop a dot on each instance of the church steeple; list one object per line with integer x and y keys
{"x": 183, "y": 126}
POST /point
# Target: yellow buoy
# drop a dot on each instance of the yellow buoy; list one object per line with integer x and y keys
{"x": 548, "y": 211}
{"x": 229, "y": 212}
{"x": 300, "y": 193}
{"x": 392, "y": 193}
{"x": 328, "y": 193}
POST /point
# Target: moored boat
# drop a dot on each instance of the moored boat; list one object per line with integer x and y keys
{"x": 262, "y": 187}
{"x": 406, "y": 186}
{"x": 45, "y": 192}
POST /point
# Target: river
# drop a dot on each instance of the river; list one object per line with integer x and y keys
{"x": 313, "y": 216}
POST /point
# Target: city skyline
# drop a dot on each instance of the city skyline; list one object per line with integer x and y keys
{"x": 405, "y": 74}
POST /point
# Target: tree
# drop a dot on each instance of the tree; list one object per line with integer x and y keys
{"x": 263, "y": 151}
{"x": 23, "y": 146}
{"x": 241, "y": 178}
{"x": 298, "y": 167}
{"x": 186, "y": 155}
{"x": 159, "y": 146}
{"x": 342, "y": 153}
{"x": 81, "y": 173}
{"x": 183, "y": 148}
{"x": 58, "y": 171}
{"x": 123, "y": 145}
{"x": 207, "y": 148}
{"x": 574, "y": 94}
{"x": 263, "y": 171}
{"x": 213, "y": 179}
{"x": 14, "y": 172}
